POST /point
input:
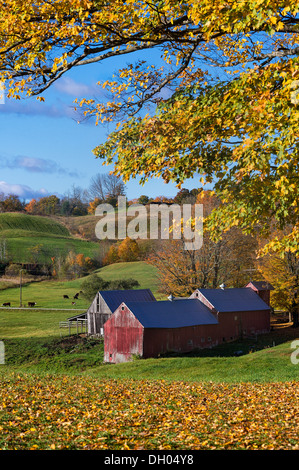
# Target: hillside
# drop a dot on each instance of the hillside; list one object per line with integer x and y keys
{"x": 20, "y": 233}
{"x": 49, "y": 294}
{"x": 32, "y": 223}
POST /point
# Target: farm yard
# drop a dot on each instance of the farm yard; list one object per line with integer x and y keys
{"x": 164, "y": 318}
{"x": 58, "y": 393}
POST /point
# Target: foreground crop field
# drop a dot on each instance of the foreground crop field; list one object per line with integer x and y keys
{"x": 59, "y": 412}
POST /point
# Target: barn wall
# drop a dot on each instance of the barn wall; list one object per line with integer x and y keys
{"x": 233, "y": 325}
{"x": 161, "y": 340}
{"x": 97, "y": 314}
{"x": 123, "y": 337}
{"x": 263, "y": 294}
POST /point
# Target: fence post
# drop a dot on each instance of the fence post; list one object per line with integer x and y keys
{"x": 2, "y": 353}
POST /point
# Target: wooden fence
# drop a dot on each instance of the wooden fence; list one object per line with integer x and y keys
{"x": 80, "y": 325}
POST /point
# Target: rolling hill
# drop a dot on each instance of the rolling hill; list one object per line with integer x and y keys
{"x": 20, "y": 233}
{"x": 49, "y": 294}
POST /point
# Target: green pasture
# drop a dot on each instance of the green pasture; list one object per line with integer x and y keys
{"x": 32, "y": 223}
{"x": 35, "y": 344}
{"x": 22, "y": 233}
{"x": 50, "y": 293}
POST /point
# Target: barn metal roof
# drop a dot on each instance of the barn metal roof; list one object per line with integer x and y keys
{"x": 114, "y": 298}
{"x": 172, "y": 314}
{"x": 234, "y": 299}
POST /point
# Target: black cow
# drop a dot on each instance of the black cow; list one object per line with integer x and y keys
{"x": 6, "y": 304}
{"x": 65, "y": 296}
{"x": 31, "y": 304}
{"x": 76, "y": 295}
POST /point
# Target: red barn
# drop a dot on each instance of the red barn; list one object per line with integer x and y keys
{"x": 208, "y": 318}
{"x": 262, "y": 288}
{"x": 240, "y": 312}
{"x": 107, "y": 301}
{"x": 148, "y": 329}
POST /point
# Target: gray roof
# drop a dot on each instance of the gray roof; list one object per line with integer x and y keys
{"x": 172, "y": 314}
{"x": 114, "y": 298}
{"x": 234, "y": 299}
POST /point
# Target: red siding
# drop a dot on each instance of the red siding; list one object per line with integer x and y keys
{"x": 123, "y": 336}
{"x": 161, "y": 340}
{"x": 233, "y": 325}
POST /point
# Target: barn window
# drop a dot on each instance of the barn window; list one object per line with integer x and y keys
{"x": 98, "y": 303}
{"x": 202, "y": 340}
{"x": 236, "y": 318}
{"x": 123, "y": 308}
{"x": 209, "y": 338}
{"x": 190, "y": 342}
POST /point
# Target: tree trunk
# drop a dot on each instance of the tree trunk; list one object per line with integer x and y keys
{"x": 294, "y": 314}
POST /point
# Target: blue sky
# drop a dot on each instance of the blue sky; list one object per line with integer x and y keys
{"x": 45, "y": 151}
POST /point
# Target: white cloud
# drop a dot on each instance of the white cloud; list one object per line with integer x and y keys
{"x": 36, "y": 108}
{"x": 35, "y": 165}
{"x": 71, "y": 87}
{"x": 22, "y": 190}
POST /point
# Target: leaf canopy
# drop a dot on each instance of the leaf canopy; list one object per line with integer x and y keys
{"x": 223, "y": 104}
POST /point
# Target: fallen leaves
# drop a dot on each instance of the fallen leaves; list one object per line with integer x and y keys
{"x": 85, "y": 413}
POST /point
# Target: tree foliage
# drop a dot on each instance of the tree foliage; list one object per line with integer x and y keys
{"x": 283, "y": 273}
{"x": 228, "y": 260}
{"x": 223, "y": 103}
{"x": 94, "y": 283}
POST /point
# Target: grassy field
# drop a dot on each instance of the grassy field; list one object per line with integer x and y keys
{"x": 34, "y": 342}
{"x": 20, "y": 222}
{"x": 22, "y": 232}
{"x": 56, "y": 392}
{"x": 50, "y": 293}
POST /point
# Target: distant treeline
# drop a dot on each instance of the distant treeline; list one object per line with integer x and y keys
{"x": 77, "y": 203}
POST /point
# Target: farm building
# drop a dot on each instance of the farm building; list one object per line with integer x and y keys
{"x": 106, "y": 302}
{"x": 240, "y": 311}
{"x": 208, "y": 318}
{"x": 148, "y": 329}
{"x": 262, "y": 288}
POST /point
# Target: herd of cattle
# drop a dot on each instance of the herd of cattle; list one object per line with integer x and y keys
{"x": 32, "y": 304}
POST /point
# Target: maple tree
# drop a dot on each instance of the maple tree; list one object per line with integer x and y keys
{"x": 223, "y": 104}
{"x": 283, "y": 273}
{"x": 228, "y": 260}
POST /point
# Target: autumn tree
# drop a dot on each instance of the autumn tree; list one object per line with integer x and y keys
{"x": 48, "y": 205}
{"x": 111, "y": 256}
{"x": 128, "y": 250}
{"x": 93, "y": 205}
{"x": 224, "y": 104}
{"x": 228, "y": 260}
{"x": 32, "y": 207}
{"x": 282, "y": 271}
{"x": 11, "y": 203}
